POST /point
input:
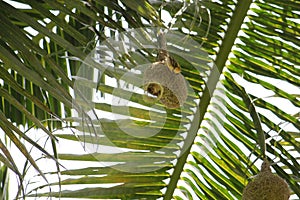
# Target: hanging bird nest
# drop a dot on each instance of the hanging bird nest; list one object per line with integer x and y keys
{"x": 266, "y": 186}
{"x": 169, "y": 87}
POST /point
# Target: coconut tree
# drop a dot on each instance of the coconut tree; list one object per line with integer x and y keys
{"x": 148, "y": 99}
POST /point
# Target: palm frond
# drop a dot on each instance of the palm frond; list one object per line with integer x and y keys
{"x": 258, "y": 61}
{"x": 60, "y": 58}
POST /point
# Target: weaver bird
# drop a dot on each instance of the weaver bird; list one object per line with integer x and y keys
{"x": 163, "y": 55}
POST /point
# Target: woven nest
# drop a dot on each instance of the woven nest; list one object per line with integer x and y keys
{"x": 266, "y": 186}
{"x": 169, "y": 87}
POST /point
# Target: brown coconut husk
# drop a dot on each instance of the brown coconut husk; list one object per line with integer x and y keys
{"x": 170, "y": 88}
{"x": 266, "y": 186}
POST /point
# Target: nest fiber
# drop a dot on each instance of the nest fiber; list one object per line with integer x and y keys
{"x": 169, "y": 87}
{"x": 266, "y": 186}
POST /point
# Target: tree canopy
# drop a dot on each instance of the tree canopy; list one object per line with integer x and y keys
{"x": 75, "y": 71}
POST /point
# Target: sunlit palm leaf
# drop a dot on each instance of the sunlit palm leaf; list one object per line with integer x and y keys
{"x": 259, "y": 44}
{"x": 218, "y": 165}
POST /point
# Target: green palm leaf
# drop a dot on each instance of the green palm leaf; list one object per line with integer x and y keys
{"x": 209, "y": 148}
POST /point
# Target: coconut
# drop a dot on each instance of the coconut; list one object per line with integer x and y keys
{"x": 170, "y": 88}
{"x": 266, "y": 186}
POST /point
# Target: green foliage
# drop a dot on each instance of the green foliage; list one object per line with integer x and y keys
{"x": 204, "y": 150}
{"x": 4, "y": 182}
